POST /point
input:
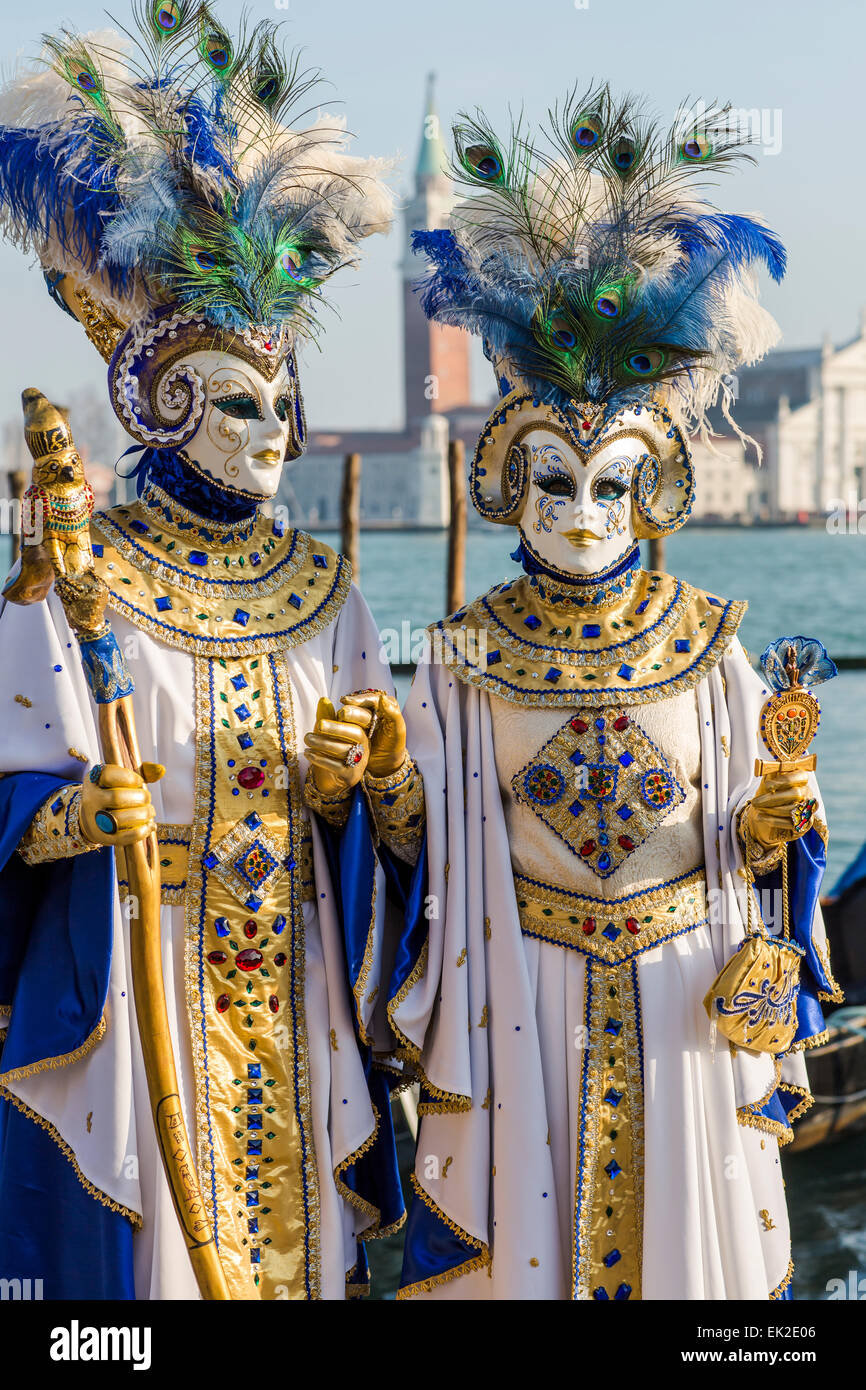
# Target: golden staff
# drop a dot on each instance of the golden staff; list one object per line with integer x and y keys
{"x": 56, "y": 550}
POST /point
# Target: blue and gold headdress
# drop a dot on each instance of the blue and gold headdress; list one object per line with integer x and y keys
{"x": 170, "y": 203}
{"x": 603, "y": 288}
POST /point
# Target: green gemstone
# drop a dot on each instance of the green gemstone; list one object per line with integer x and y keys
{"x": 270, "y": 1083}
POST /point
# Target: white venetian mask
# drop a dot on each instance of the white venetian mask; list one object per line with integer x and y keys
{"x": 578, "y": 516}
{"x": 244, "y": 431}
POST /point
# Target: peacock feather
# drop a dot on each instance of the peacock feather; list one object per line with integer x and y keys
{"x": 175, "y": 163}
{"x": 591, "y": 264}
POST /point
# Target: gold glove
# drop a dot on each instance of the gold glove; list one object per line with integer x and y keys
{"x": 780, "y": 811}
{"x": 116, "y": 808}
{"x": 338, "y": 749}
{"x": 381, "y": 717}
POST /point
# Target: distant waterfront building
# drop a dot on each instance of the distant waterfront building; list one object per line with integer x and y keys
{"x": 404, "y": 477}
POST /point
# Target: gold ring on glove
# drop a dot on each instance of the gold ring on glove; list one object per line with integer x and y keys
{"x": 95, "y": 773}
{"x": 804, "y": 813}
{"x": 354, "y": 755}
{"x": 106, "y": 822}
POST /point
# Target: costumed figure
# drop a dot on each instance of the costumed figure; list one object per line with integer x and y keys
{"x": 587, "y": 736}
{"x": 189, "y": 228}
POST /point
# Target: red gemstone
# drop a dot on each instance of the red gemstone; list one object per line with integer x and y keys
{"x": 248, "y": 960}
{"x": 632, "y": 925}
{"x": 356, "y": 758}
{"x": 585, "y": 424}
{"x": 273, "y": 1004}
{"x": 621, "y": 723}
{"x": 217, "y": 957}
{"x": 251, "y": 777}
{"x": 580, "y": 726}
{"x": 589, "y": 926}
{"x": 223, "y": 1003}
{"x": 250, "y": 929}
{"x": 625, "y": 842}
{"x": 588, "y": 847}
{"x": 279, "y": 958}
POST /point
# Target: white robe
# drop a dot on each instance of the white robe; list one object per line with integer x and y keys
{"x": 99, "y": 1106}
{"x": 497, "y": 1014}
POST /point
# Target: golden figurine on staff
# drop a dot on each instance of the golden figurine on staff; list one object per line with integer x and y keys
{"x": 56, "y": 548}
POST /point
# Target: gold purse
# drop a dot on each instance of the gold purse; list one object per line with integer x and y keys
{"x": 753, "y": 999}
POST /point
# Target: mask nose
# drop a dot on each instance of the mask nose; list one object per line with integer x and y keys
{"x": 67, "y": 473}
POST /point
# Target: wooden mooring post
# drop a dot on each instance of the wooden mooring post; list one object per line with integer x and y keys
{"x": 350, "y": 514}
{"x": 456, "y": 592}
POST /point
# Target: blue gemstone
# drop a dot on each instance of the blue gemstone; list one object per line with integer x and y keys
{"x": 210, "y": 860}
{"x": 279, "y": 529}
{"x": 626, "y": 759}
{"x": 576, "y": 808}
{"x": 612, "y": 1169}
{"x": 140, "y": 526}
{"x": 241, "y": 617}
{"x": 245, "y": 741}
{"x": 576, "y": 757}
{"x": 553, "y": 675}
{"x": 626, "y": 672}
{"x": 682, "y": 644}
{"x": 603, "y": 840}
{"x": 320, "y": 561}
{"x": 642, "y": 606}
{"x": 239, "y": 682}
{"x": 253, "y": 903}
{"x": 295, "y": 600}
{"x": 716, "y": 602}
{"x": 604, "y": 863}
{"x": 613, "y": 1097}
{"x": 601, "y": 1295}
{"x": 253, "y": 820}
{"x": 493, "y": 657}
{"x": 255, "y": 1257}
{"x": 254, "y": 1095}
{"x": 254, "y": 1121}
{"x": 162, "y": 604}
{"x": 254, "y": 1148}
{"x": 106, "y": 822}
{"x": 611, "y": 1258}
{"x": 253, "y": 1225}
{"x": 57, "y": 805}
{"x": 532, "y": 622}
{"x": 222, "y": 926}
{"x": 624, "y": 812}
{"x": 254, "y": 1070}
{"x": 252, "y": 1174}
{"x": 613, "y": 1026}
{"x": 610, "y": 931}
{"x": 197, "y": 557}
{"x": 601, "y": 739}
{"x": 252, "y": 1199}
{"x": 590, "y": 630}
{"x": 623, "y": 1292}
{"x": 242, "y": 712}
{"x": 279, "y": 924}
{"x": 255, "y": 558}
{"x": 97, "y": 550}
{"x": 599, "y": 723}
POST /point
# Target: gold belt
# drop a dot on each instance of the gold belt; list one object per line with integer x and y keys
{"x": 174, "y": 842}
{"x": 612, "y": 930}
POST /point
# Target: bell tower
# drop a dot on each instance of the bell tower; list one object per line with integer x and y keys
{"x": 435, "y": 357}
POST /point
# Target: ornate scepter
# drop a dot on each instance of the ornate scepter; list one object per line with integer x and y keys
{"x": 56, "y": 549}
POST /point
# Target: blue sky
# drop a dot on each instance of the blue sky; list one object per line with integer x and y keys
{"x": 798, "y": 63}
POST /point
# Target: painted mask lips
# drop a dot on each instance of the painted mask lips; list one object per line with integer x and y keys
{"x": 270, "y": 456}
{"x": 580, "y": 539}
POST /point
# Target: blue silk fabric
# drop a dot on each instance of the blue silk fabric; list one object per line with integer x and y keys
{"x": 375, "y": 1176}
{"x": 807, "y": 858}
{"x": 56, "y": 923}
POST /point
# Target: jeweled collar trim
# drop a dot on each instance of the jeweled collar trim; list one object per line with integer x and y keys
{"x": 164, "y": 512}
{"x": 580, "y": 593}
{"x": 665, "y": 639}
{"x": 295, "y": 590}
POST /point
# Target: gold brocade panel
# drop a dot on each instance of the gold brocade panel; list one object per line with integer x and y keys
{"x": 245, "y": 980}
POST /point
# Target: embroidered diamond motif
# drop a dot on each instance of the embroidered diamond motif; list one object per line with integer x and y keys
{"x": 590, "y": 778}
{"x": 249, "y": 861}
